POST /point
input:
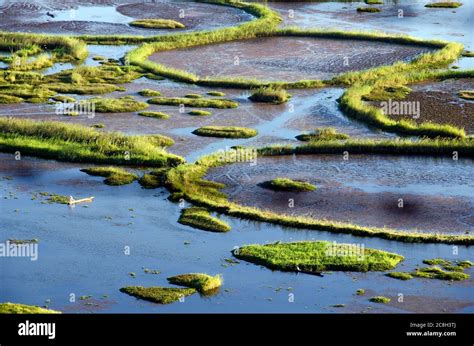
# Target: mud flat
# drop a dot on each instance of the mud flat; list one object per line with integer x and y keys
{"x": 440, "y": 103}
{"x": 92, "y": 17}
{"x": 285, "y": 58}
{"x": 436, "y": 194}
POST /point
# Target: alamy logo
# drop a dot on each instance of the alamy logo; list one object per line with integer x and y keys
{"x": 408, "y": 108}
{"x": 37, "y": 329}
{"x": 15, "y": 249}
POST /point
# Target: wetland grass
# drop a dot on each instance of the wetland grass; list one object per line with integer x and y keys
{"x": 156, "y": 115}
{"x": 189, "y": 102}
{"x": 318, "y": 256}
{"x": 323, "y": 134}
{"x": 368, "y": 9}
{"x": 149, "y": 93}
{"x": 400, "y": 275}
{"x": 199, "y": 281}
{"x": 115, "y": 176}
{"x": 201, "y": 218}
{"x": 380, "y": 300}
{"x": 116, "y": 105}
{"x": 225, "y": 132}
{"x": 444, "y": 4}
{"x": 13, "y": 308}
{"x": 270, "y": 95}
{"x": 159, "y": 295}
{"x": 157, "y": 24}
{"x": 199, "y": 112}
{"x": 286, "y": 184}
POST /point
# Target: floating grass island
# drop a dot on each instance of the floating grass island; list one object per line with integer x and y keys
{"x": 149, "y": 93}
{"x": 199, "y": 113}
{"x": 440, "y": 274}
{"x": 157, "y": 24}
{"x": 119, "y": 105}
{"x": 286, "y": 184}
{"x": 388, "y": 93}
{"x": 13, "y": 308}
{"x": 189, "y": 102}
{"x": 368, "y": 9}
{"x": 201, "y": 218}
{"x": 400, "y": 275}
{"x": 374, "y": 2}
{"x": 114, "y": 176}
{"x": 159, "y": 295}
{"x": 156, "y": 115}
{"x": 466, "y": 94}
{"x": 198, "y": 281}
{"x": 444, "y": 4}
{"x": 270, "y": 95}
{"x": 318, "y": 256}
{"x": 324, "y": 134}
{"x": 225, "y": 132}
{"x": 380, "y": 299}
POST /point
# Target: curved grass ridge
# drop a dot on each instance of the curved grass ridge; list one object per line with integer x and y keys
{"x": 187, "y": 182}
{"x": 200, "y": 218}
{"x": 318, "y": 256}
{"x": 77, "y": 143}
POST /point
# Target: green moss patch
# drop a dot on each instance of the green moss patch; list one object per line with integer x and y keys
{"x": 374, "y": 2}
{"x": 201, "y": 103}
{"x": 149, "y": 93}
{"x": 466, "y": 94}
{"x": 83, "y": 89}
{"x": 440, "y": 274}
{"x": 318, "y": 256}
{"x": 193, "y": 96}
{"x": 216, "y": 93}
{"x": 286, "y": 184}
{"x": 388, "y": 93}
{"x": 368, "y": 9}
{"x": 150, "y": 181}
{"x": 400, "y": 275}
{"x": 157, "y": 24}
{"x": 160, "y": 295}
{"x": 199, "y": 113}
{"x": 156, "y": 115}
{"x": 119, "y": 105}
{"x": 225, "y": 132}
{"x": 114, "y": 176}
{"x": 360, "y": 292}
{"x": 201, "y": 218}
{"x": 199, "y": 281}
{"x": 444, "y": 4}
{"x": 270, "y": 95}
{"x": 12, "y": 308}
{"x": 324, "y": 134}
{"x": 380, "y": 299}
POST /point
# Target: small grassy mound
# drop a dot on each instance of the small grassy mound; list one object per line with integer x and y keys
{"x": 156, "y": 115}
{"x": 468, "y": 54}
{"x": 114, "y": 176}
{"x": 198, "y": 281}
{"x": 318, "y": 256}
{"x": 12, "y": 308}
{"x": 440, "y": 274}
{"x": 324, "y": 134}
{"x": 360, "y": 292}
{"x": 270, "y": 95}
{"x": 193, "y": 96}
{"x": 444, "y": 4}
{"x": 225, "y": 132}
{"x": 159, "y": 140}
{"x": 63, "y": 98}
{"x": 199, "y": 113}
{"x": 368, "y": 9}
{"x": 9, "y": 99}
{"x": 400, "y": 275}
{"x": 216, "y": 93}
{"x": 374, "y": 2}
{"x": 120, "y": 105}
{"x": 150, "y": 181}
{"x": 466, "y": 94}
{"x": 286, "y": 184}
{"x": 149, "y": 93}
{"x": 201, "y": 103}
{"x": 200, "y": 218}
{"x": 157, "y": 24}
{"x": 380, "y": 299}
{"x": 55, "y": 198}
{"x": 388, "y": 93}
{"x": 160, "y": 295}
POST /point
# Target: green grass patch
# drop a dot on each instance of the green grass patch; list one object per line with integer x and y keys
{"x": 374, "y": 2}
{"x": 286, "y": 184}
{"x": 323, "y": 134}
{"x": 198, "y": 281}
{"x": 116, "y": 105}
{"x": 225, "y": 132}
{"x": 318, "y": 256}
{"x": 216, "y": 93}
{"x": 150, "y": 181}
{"x": 159, "y": 295}
{"x": 440, "y": 274}
{"x": 199, "y": 112}
{"x": 388, "y": 93}
{"x": 13, "y": 308}
{"x": 200, "y": 218}
{"x": 63, "y": 98}
{"x": 400, "y": 275}
{"x": 201, "y": 103}
{"x": 368, "y": 9}
{"x": 193, "y": 96}
{"x": 444, "y": 4}
{"x": 152, "y": 114}
{"x": 149, "y": 93}
{"x": 157, "y": 24}
{"x": 77, "y": 143}
{"x": 466, "y": 94}
{"x": 8, "y": 99}
{"x": 468, "y": 54}
{"x": 380, "y": 299}
{"x": 270, "y": 95}
{"x": 114, "y": 175}
{"x": 360, "y": 292}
